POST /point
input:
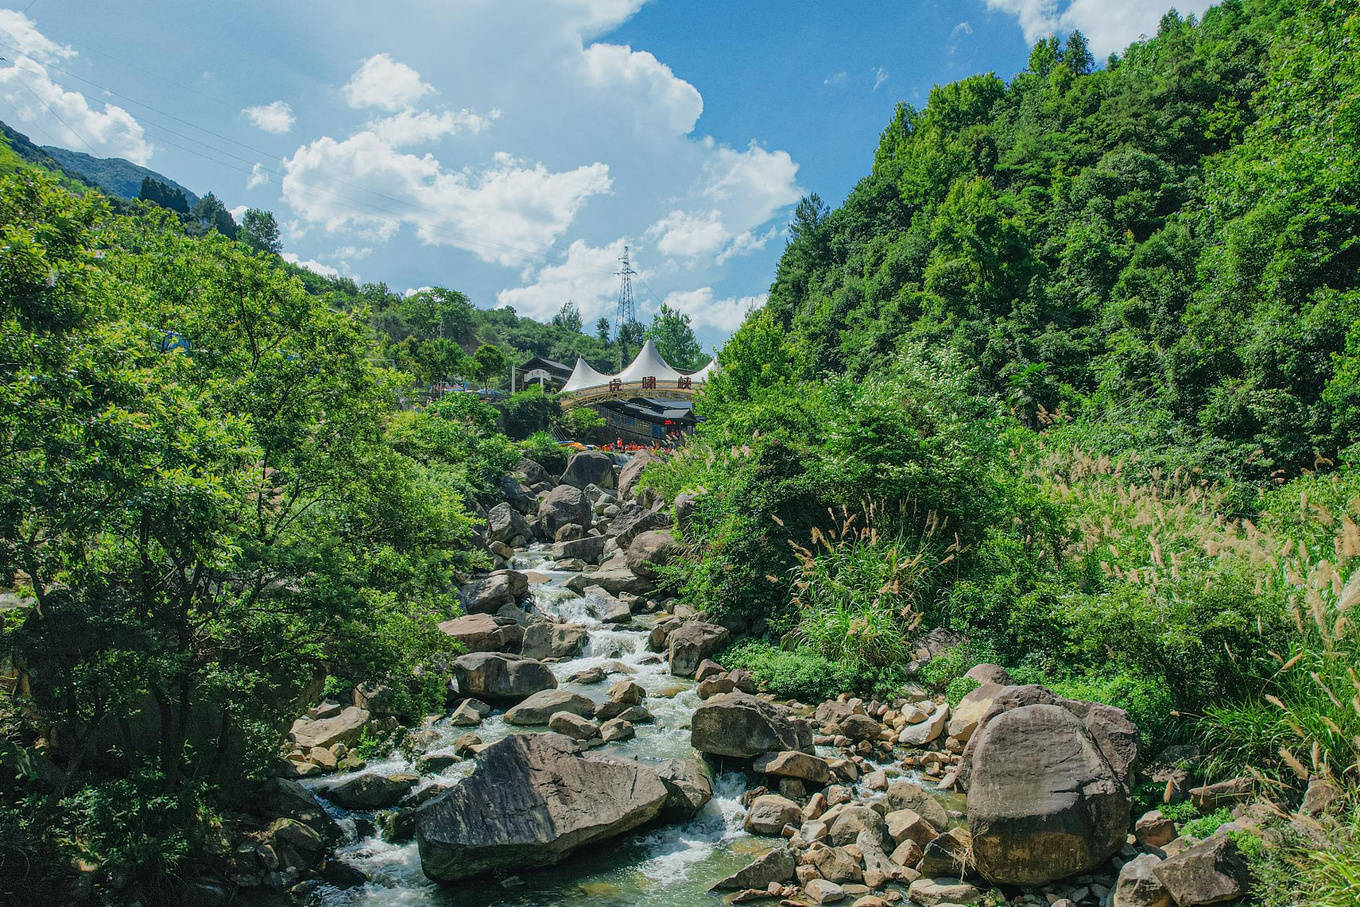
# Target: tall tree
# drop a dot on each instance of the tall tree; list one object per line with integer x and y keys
{"x": 210, "y": 214}
{"x": 602, "y": 329}
{"x": 158, "y": 193}
{"x": 259, "y": 231}
{"x": 569, "y": 317}
{"x": 490, "y": 363}
{"x": 674, "y": 337}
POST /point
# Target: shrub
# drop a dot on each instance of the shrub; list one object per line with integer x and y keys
{"x": 805, "y": 676}
{"x": 959, "y": 687}
{"x": 582, "y": 424}
{"x": 527, "y": 412}
{"x": 544, "y": 450}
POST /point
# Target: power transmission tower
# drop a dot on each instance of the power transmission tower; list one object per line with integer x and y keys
{"x": 627, "y": 312}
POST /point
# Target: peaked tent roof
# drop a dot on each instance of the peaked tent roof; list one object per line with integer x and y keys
{"x": 702, "y": 374}
{"x": 648, "y": 364}
{"x": 583, "y": 376}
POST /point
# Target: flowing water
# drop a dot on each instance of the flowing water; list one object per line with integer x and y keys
{"x": 664, "y": 866}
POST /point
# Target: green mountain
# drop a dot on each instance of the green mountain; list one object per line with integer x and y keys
{"x": 121, "y": 177}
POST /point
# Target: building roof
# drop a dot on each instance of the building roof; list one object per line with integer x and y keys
{"x": 647, "y": 364}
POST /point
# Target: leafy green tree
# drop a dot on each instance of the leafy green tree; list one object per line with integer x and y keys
{"x": 259, "y": 231}
{"x": 629, "y": 341}
{"x": 569, "y": 317}
{"x": 159, "y": 193}
{"x": 582, "y": 424}
{"x": 490, "y": 364}
{"x": 602, "y": 329}
{"x": 210, "y": 214}
{"x": 674, "y": 338}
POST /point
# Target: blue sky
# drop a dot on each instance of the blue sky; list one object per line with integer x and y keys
{"x": 511, "y": 148}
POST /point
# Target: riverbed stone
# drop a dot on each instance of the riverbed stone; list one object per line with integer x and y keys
{"x": 484, "y": 633}
{"x": 505, "y": 523}
{"x": 926, "y": 731}
{"x": 1211, "y": 872}
{"x": 1043, "y": 802}
{"x": 930, "y": 892}
{"x": 342, "y": 728}
{"x": 903, "y": 794}
{"x": 851, "y": 820}
{"x": 563, "y": 505}
{"x": 769, "y": 813}
{"x": 617, "y": 730}
{"x": 552, "y": 639}
{"x": 589, "y": 467}
{"x": 497, "y": 677}
{"x": 777, "y": 866}
{"x": 794, "y": 764}
{"x": 588, "y": 549}
{"x": 488, "y": 594}
{"x": 541, "y": 706}
{"x": 469, "y": 712}
{"x": 632, "y": 521}
{"x": 531, "y": 801}
{"x": 370, "y": 791}
{"x": 692, "y": 642}
{"x": 1138, "y": 885}
{"x": 650, "y": 551}
{"x": 574, "y": 726}
{"x": 742, "y": 726}
{"x": 820, "y": 891}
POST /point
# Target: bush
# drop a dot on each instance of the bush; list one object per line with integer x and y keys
{"x": 582, "y": 424}
{"x": 804, "y": 676}
{"x": 544, "y": 450}
{"x": 527, "y": 412}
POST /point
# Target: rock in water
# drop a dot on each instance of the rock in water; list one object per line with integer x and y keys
{"x": 501, "y": 678}
{"x": 589, "y": 467}
{"x": 692, "y": 642}
{"x": 531, "y": 801}
{"x": 1043, "y": 802}
{"x": 742, "y": 726}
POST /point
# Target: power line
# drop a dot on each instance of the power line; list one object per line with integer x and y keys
{"x": 49, "y": 109}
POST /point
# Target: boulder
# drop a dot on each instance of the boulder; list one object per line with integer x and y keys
{"x": 531, "y": 472}
{"x": 777, "y": 866}
{"x": 1138, "y": 885}
{"x": 632, "y": 521}
{"x": 795, "y": 764}
{"x": 985, "y": 674}
{"x": 484, "y": 633}
{"x": 531, "y": 801}
{"x": 589, "y": 467}
{"x": 966, "y": 716}
{"x": 563, "y": 505}
{"x": 769, "y": 813}
{"x": 691, "y": 643}
{"x": 632, "y": 470}
{"x": 506, "y": 524}
{"x": 488, "y": 594}
{"x": 688, "y": 785}
{"x": 685, "y": 504}
{"x": 469, "y": 712}
{"x": 926, "y": 731}
{"x": 947, "y": 854}
{"x": 588, "y": 549}
{"x": 820, "y": 891}
{"x": 342, "y": 728}
{"x": 907, "y": 825}
{"x": 574, "y": 726}
{"x": 1043, "y": 802}
{"x": 370, "y": 791}
{"x": 929, "y": 892}
{"x": 912, "y": 796}
{"x": 613, "y": 577}
{"x": 649, "y": 551}
{"x": 742, "y": 726}
{"x": 617, "y": 729}
{"x": 851, "y": 820}
{"x": 497, "y": 677}
{"x": 519, "y": 499}
{"x": 539, "y": 707}
{"x": 1208, "y": 873}
{"x": 552, "y": 639}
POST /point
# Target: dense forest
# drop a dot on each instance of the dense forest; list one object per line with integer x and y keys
{"x": 1073, "y": 373}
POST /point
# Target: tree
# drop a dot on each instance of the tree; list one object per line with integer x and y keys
{"x": 490, "y": 363}
{"x": 210, "y": 214}
{"x": 629, "y": 341}
{"x": 1077, "y": 54}
{"x": 602, "y": 329}
{"x": 569, "y": 317}
{"x": 438, "y": 312}
{"x": 259, "y": 231}
{"x": 674, "y": 337}
{"x": 159, "y": 193}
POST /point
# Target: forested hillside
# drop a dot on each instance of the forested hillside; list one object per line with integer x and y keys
{"x": 1166, "y": 245}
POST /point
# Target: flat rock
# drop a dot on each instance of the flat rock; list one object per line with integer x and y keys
{"x": 777, "y": 866}
{"x": 539, "y": 707}
{"x": 498, "y": 677}
{"x": 342, "y": 728}
{"x": 742, "y": 726}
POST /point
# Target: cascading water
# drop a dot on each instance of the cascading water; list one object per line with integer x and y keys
{"x": 669, "y": 865}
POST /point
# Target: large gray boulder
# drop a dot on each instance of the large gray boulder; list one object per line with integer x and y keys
{"x": 1211, "y": 872}
{"x": 497, "y": 677}
{"x": 589, "y": 467}
{"x": 552, "y": 639}
{"x": 488, "y": 594}
{"x": 691, "y": 643}
{"x": 484, "y": 633}
{"x": 326, "y": 732}
{"x": 778, "y": 865}
{"x": 370, "y": 791}
{"x": 688, "y": 785}
{"x": 517, "y": 496}
{"x": 589, "y": 549}
{"x": 541, "y": 706}
{"x": 632, "y": 521}
{"x": 650, "y": 551}
{"x": 1043, "y": 802}
{"x": 632, "y": 471}
{"x": 564, "y": 505}
{"x": 1138, "y": 885}
{"x": 531, "y": 801}
{"x": 506, "y": 524}
{"x": 743, "y": 726}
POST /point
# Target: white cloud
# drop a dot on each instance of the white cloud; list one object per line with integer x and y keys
{"x": 880, "y": 76}
{"x": 836, "y": 78}
{"x": 276, "y": 117}
{"x": 384, "y": 83}
{"x": 746, "y": 243}
{"x": 963, "y": 29}
{"x": 67, "y": 118}
{"x": 238, "y": 212}
{"x": 311, "y": 265}
{"x": 417, "y": 127}
{"x": 258, "y": 176}
{"x": 1109, "y": 27}
{"x": 21, "y": 33}
{"x": 507, "y": 213}
{"x": 585, "y": 275}
{"x": 706, "y": 312}
{"x": 687, "y": 235}
{"x": 661, "y": 101}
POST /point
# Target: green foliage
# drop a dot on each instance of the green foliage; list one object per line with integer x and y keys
{"x": 260, "y": 232}
{"x": 527, "y": 412}
{"x": 544, "y": 450}
{"x": 158, "y": 193}
{"x": 959, "y": 687}
{"x": 1204, "y": 826}
{"x": 804, "y": 676}
{"x": 582, "y": 424}
{"x": 674, "y": 337}
{"x": 568, "y": 317}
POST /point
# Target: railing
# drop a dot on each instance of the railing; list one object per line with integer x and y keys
{"x": 682, "y": 389}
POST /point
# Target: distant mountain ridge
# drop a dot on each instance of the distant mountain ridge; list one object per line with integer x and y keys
{"x": 114, "y": 174}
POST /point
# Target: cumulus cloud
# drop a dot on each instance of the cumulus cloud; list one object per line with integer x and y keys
{"x": 312, "y": 265}
{"x": 662, "y": 100}
{"x": 382, "y": 82}
{"x": 22, "y": 33}
{"x": 584, "y": 275}
{"x": 258, "y": 176}
{"x": 707, "y": 312}
{"x": 64, "y": 117}
{"x": 689, "y": 235}
{"x": 507, "y": 213}
{"x": 1109, "y": 27}
{"x": 418, "y": 127}
{"x": 276, "y": 117}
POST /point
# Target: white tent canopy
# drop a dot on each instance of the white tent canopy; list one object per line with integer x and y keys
{"x": 647, "y": 364}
